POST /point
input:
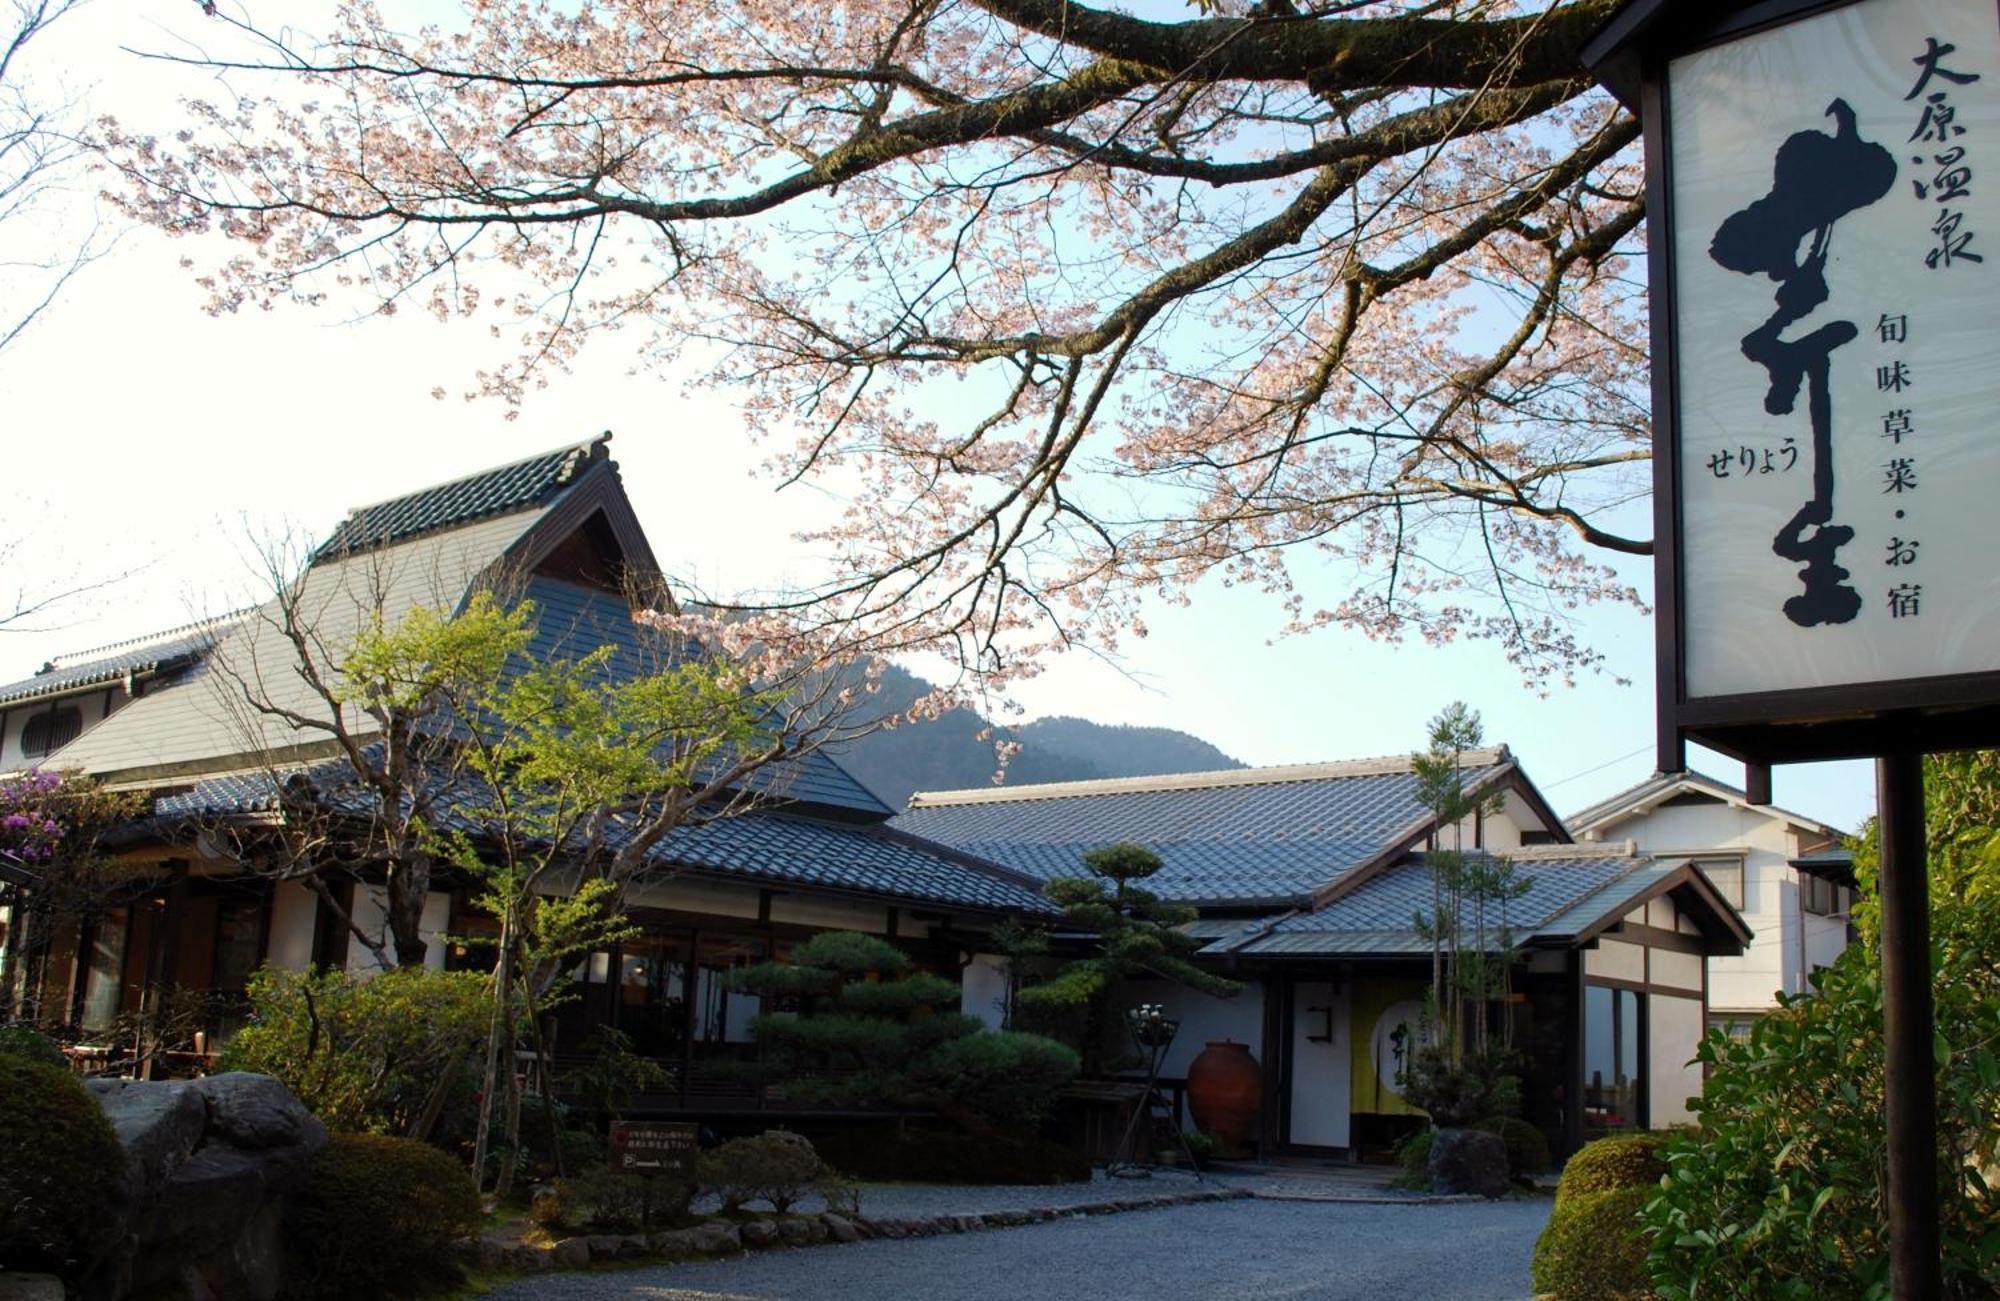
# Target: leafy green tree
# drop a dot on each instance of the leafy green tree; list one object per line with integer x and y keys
{"x": 1782, "y": 1191}
{"x": 375, "y": 1054}
{"x": 1138, "y": 936}
{"x": 863, "y": 1027}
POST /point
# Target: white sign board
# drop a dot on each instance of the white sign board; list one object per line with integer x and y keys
{"x": 1835, "y": 185}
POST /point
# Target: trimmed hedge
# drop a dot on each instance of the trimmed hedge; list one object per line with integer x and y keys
{"x": 950, "y": 1157}
{"x": 1624, "y": 1161}
{"x": 1594, "y": 1247}
{"x": 379, "y": 1216}
{"x": 776, "y": 1167}
{"x": 61, "y": 1167}
{"x": 1527, "y": 1148}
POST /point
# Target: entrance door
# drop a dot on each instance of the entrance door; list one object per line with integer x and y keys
{"x": 1321, "y": 1051}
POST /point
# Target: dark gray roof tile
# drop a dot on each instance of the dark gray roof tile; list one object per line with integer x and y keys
{"x": 499, "y": 491}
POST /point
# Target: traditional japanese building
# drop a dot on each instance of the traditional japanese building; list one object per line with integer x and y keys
{"x": 1309, "y": 881}
{"x": 166, "y": 716}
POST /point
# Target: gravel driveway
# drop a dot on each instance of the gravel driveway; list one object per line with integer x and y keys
{"x": 1260, "y": 1249}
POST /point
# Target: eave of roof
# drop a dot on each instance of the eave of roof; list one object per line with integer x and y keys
{"x": 136, "y": 658}
{"x": 1660, "y": 787}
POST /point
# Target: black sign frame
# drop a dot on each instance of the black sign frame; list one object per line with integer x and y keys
{"x": 1844, "y": 721}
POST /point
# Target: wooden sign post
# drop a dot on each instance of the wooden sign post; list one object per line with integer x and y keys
{"x": 1823, "y": 199}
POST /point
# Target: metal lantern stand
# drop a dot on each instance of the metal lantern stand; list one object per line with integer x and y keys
{"x": 1153, "y": 1033}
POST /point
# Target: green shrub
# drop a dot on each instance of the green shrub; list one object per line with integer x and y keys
{"x": 1527, "y": 1147}
{"x": 886, "y": 1152}
{"x": 1010, "y": 1079}
{"x": 1593, "y": 1247}
{"x": 616, "y": 1201}
{"x": 21, "y": 1041}
{"x": 1414, "y": 1155}
{"x": 61, "y": 1167}
{"x": 378, "y": 1216}
{"x": 841, "y": 1196}
{"x": 775, "y": 1167}
{"x": 364, "y": 1055}
{"x": 1780, "y": 1192}
{"x": 1201, "y": 1144}
{"x": 1622, "y": 1161}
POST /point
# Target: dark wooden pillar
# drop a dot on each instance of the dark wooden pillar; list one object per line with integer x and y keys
{"x": 1908, "y": 1024}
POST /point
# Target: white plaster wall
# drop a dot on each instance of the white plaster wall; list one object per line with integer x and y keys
{"x": 831, "y": 914}
{"x": 696, "y": 897}
{"x": 1784, "y": 944}
{"x": 89, "y": 706}
{"x": 1615, "y": 960}
{"x": 984, "y": 990}
{"x": 1203, "y": 1017}
{"x": 294, "y": 908}
{"x": 368, "y": 914}
{"x": 433, "y": 926}
{"x": 1322, "y": 1073}
{"x": 1673, "y": 1030}
{"x": 1680, "y": 970}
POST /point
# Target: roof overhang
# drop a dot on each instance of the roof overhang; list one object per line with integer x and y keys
{"x": 1720, "y": 924}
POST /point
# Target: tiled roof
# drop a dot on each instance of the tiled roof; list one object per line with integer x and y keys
{"x": 140, "y": 657}
{"x": 499, "y": 491}
{"x": 1647, "y": 794}
{"x": 1569, "y": 887}
{"x": 761, "y": 845}
{"x": 1253, "y": 836}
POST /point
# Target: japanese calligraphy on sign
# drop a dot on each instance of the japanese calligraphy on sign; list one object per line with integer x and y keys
{"x": 654, "y": 1147}
{"x": 1835, "y": 189}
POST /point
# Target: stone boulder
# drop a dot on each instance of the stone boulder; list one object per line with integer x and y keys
{"x": 1468, "y": 1161}
{"x": 207, "y": 1166}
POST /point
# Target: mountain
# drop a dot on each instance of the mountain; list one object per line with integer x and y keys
{"x": 947, "y": 754}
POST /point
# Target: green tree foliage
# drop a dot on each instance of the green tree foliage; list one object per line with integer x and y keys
{"x": 61, "y": 1168}
{"x": 1781, "y": 1192}
{"x": 375, "y": 1055}
{"x": 1138, "y": 937}
{"x": 866, "y": 1028}
{"x": 1961, "y": 832}
{"x": 378, "y": 1217}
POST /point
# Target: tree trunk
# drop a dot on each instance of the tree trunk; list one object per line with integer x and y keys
{"x": 409, "y": 891}
{"x": 503, "y": 981}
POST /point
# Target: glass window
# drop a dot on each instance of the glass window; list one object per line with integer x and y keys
{"x": 1611, "y": 1082}
{"x": 50, "y": 730}
{"x": 102, "y": 981}
{"x": 652, "y": 994}
{"x": 721, "y": 1015}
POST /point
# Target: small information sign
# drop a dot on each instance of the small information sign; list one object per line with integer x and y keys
{"x": 654, "y": 1147}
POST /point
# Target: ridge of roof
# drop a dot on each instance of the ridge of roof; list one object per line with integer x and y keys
{"x": 1381, "y": 766}
{"x": 135, "y": 657}
{"x": 1592, "y": 850}
{"x": 1635, "y": 796}
{"x": 496, "y": 490}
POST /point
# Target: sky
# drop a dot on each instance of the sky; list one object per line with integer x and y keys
{"x": 154, "y": 449}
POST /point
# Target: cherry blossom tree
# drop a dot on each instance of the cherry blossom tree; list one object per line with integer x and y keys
{"x": 1075, "y": 308}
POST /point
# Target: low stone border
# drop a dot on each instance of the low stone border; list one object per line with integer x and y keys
{"x": 722, "y": 1238}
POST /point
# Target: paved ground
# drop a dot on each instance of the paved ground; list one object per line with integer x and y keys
{"x": 1470, "y": 1251}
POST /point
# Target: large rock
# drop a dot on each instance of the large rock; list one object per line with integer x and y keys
{"x": 208, "y": 1164}
{"x": 1468, "y": 1161}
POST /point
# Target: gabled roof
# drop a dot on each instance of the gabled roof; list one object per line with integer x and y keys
{"x": 1661, "y": 787}
{"x": 1242, "y": 837}
{"x": 138, "y": 658}
{"x": 434, "y": 547}
{"x": 502, "y": 490}
{"x": 1574, "y": 893}
{"x": 763, "y": 845}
